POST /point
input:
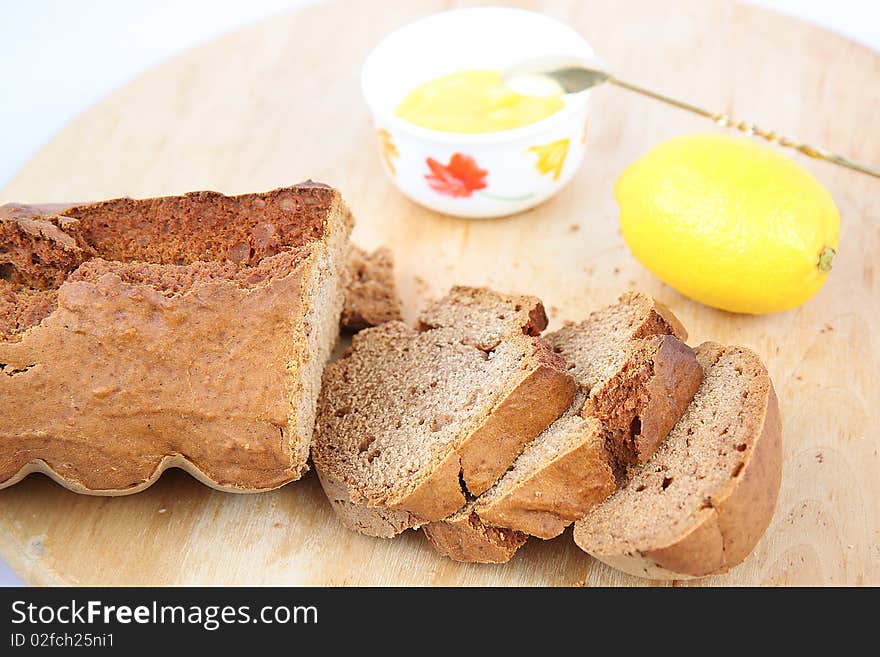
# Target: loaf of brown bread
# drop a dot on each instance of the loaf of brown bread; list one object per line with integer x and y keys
{"x": 637, "y": 384}
{"x": 189, "y": 331}
{"x": 371, "y": 298}
{"x": 699, "y": 506}
{"x": 413, "y": 421}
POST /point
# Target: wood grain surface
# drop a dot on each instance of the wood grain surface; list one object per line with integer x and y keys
{"x": 279, "y": 102}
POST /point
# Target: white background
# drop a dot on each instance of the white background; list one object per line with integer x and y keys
{"x": 58, "y": 57}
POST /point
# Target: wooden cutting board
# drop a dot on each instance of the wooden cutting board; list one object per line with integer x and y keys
{"x": 279, "y": 102}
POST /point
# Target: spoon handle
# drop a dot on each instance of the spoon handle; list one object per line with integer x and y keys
{"x": 751, "y": 129}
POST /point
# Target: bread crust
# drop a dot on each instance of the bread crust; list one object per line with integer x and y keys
{"x": 466, "y": 538}
{"x": 553, "y": 497}
{"x": 542, "y": 396}
{"x": 380, "y": 522}
{"x": 437, "y": 495}
{"x": 677, "y": 376}
{"x": 122, "y": 381}
{"x": 722, "y": 535}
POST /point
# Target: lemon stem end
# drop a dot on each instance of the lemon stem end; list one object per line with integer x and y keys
{"x": 826, "y": 255}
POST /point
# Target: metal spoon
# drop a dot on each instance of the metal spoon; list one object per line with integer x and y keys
{"x": 574, "y": 75}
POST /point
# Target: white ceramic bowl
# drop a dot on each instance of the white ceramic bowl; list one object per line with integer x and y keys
{"x": 474, "y": 175}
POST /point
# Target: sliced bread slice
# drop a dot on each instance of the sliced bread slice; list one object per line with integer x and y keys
{"x": 485, "y": 317}
{"x": 413, "y": 421}
{"x": 376, "y": 521}
{"x": 650, "y": 385}
{"x": 634, "y": 383}
{"x": 638, "y": 389}
{"x": 699, "y": 506}
{"x": 562, "y": 474}
{"x": 371, "y": 297}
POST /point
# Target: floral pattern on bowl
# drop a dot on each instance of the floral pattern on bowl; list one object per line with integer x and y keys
{"x": 462, "y": 176}
{"x": 459, "y": 179}
{"x": 551, "y": 157}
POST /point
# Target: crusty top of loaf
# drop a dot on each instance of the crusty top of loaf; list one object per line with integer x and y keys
{"x": 167, "y": 243}
{"x": 36, "y": 252}
{"x": 695, "y": 467}
{"x": 203, "y": 226}
{"x": 483, "y": 316}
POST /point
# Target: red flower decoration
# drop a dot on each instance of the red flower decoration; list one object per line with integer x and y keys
{"x": 460, "y": 178}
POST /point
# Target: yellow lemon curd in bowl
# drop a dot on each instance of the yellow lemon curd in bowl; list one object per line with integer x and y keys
{"x": 474, "y": 102}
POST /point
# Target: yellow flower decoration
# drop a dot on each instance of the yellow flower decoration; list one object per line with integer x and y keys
{"x": 389, "y": 150}
{"x": 551, "y": 157}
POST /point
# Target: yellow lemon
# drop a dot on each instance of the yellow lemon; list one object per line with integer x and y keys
{"x": 729, "y": 222}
